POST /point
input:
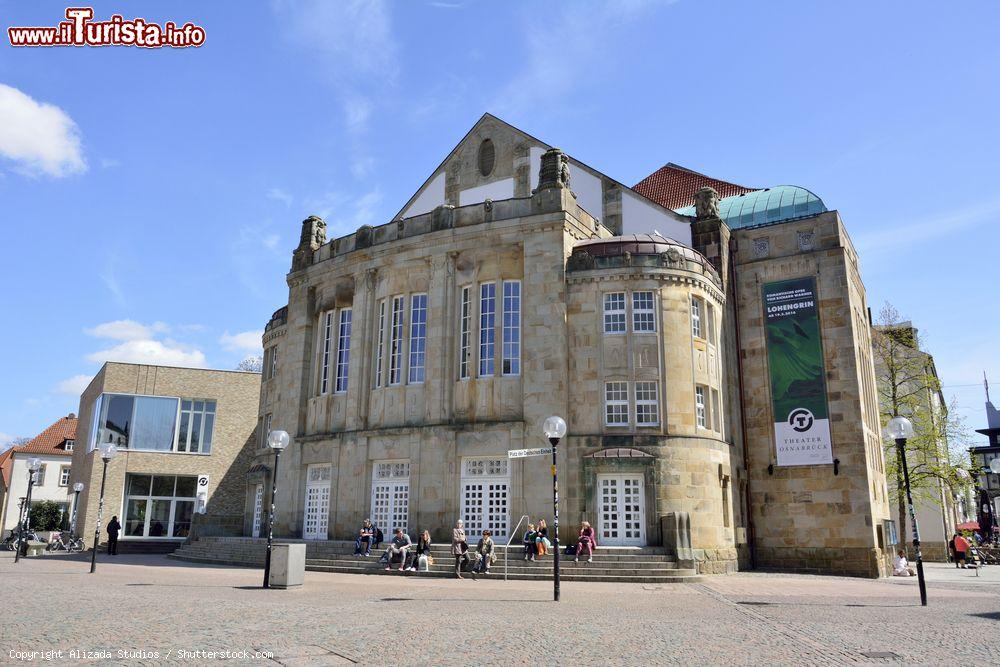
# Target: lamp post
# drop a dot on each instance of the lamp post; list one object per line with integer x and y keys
{"x": 108, "y": 451}
{"x": 276, "y": 440}
{"x": 555, "y": 429}
{"x": 77, "y": 488}
{"x": 34, "y": 465}
{"x": 899, "y": 429}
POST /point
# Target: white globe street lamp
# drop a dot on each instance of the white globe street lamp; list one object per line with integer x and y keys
{"x": 107, "y": 451}
{"x": 77, "y": 489}
{"x": 34, "y": 465}
{"x": 276, "y": 440}
{"x": 554, "y": 428}
{"x": 899, "y": 429}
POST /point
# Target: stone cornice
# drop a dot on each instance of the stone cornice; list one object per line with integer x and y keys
{"x": 647, "y": 273}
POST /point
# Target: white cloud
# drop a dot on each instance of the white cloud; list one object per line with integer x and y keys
{"x": 126, "y": 330}
{"x": 139, "y": 345}
{"x": 153, "y": 352}
{"x": 38, "y": 137}
{"x": 73, "y": 386}
{"x": 278, "y": 194}
{"x": 248, "y": 341}
{"x": 109, "y": 163}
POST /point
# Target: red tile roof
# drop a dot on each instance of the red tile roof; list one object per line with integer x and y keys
{"x": 51, "y": 439}
{"x": 6, "y": 465}
{"x": 673, "y": 186}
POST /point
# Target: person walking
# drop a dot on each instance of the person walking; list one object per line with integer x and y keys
{"x": 113, "y": 529}
{"x": 459, "y": 547}
{"x": 484, "y": 554}
{"x": 961, "y": 548}
{"x": 588, "y": 540}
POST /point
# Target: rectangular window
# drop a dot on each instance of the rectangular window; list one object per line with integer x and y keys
{"x": 396, "y": 341}
{"x": 716, "y": 415}
{"x": 616, "y": 403}
{"x": 159, "y": 506}
{"x": 710, "y": 310}
{"x": 273, "y": 366}
{"x": 418, "y": 337}
{"x": 647, "y": 410}
{"x": 380, "y": 344}
{"x": 197, "y": 422}
{"x": 487, "y": 327}
{"x": 265, "y": 432}
{"x": 324, "y": 384}
{"x": 511, "y": 327}
{"x": 614, "y": 313}
{"x": 699, "y": 406}
{"x": 69, "y": 445}
{"x": 465, "y": 343}
{"x": 343, "y": 350}
{"x": 642, "y": 312}
{"x": 64, "y": 475}
{"x": 40, "y": 475}
{"x": 696, "y": 317}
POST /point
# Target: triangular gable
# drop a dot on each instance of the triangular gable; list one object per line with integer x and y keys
{"x": 515, "y": 173}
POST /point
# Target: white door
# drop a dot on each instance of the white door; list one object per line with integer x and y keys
{"x": 317, "y": 506}
{"x": 258, "y": 509}
{"x": 485, "y": 488}
{"x": 390, "y": 496}
{"x": 622, "y": 510}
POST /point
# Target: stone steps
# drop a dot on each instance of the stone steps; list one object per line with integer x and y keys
{"x": 637, "y": 565}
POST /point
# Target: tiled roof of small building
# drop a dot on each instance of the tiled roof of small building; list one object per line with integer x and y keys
{"x": 673, "y": 186}
{"x": 50, "y": 440}
{"x": 6, "y": 466}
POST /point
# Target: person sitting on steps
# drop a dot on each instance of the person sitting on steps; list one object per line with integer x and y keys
{"x": 484, "y": 554}
{"x": 365, "y": 536}
{"x": 529, "y": 542}
{"x": 397, "y": 547}
{"x": 588, "y": 540}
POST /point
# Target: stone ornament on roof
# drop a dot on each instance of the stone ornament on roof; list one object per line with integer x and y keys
{"x": 706, "y": 203}
{"x": 311, "y": 239}
{"x": 554, "y": 171}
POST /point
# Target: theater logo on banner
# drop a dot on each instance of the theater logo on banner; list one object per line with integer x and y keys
{"x": 798, "y": 385}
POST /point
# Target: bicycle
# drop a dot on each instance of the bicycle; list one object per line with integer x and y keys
{"x": 63, "y": 541}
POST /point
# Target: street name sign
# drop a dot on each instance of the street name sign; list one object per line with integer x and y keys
{"x": 522, "y": 453}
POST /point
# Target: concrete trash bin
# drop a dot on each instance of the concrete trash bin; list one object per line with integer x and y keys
{"x": 288, "y": 565}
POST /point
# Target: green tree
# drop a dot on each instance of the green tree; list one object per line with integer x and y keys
{"x": 45, "y": 515}
{"x": 908, "y": 386}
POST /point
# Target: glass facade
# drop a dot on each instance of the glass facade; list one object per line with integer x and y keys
{"x": 158, "y": 506}
{"x": 153, "y": 423}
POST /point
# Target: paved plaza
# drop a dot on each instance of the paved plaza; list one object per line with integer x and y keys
{"x": 158, "y": 610}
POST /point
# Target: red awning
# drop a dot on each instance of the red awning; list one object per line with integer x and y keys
{"x": 968, "y": 525}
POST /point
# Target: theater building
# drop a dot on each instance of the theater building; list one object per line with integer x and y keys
{"x": 518, "y": 283}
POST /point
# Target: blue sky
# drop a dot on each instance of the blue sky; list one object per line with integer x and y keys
{"x": 150, "y": 199}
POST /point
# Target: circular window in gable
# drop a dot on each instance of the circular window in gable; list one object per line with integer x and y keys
{"x": 487, "y": 157}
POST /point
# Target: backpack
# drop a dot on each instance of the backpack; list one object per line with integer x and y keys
{"x": 378, "y": 536}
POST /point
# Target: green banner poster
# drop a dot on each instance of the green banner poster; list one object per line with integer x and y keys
{"x": 798, "y": 385}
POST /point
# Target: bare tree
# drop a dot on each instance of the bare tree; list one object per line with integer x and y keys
{"x": 252, "y": 364}
{"x": 908, "y": 386}
{"x": 14, "y": 442}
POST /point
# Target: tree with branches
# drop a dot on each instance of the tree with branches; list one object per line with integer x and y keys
{"x": 252, "y": 364}
{"x": 908, "y": 386}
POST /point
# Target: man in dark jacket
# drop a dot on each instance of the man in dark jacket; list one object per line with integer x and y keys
{"x": 113, "y": 529}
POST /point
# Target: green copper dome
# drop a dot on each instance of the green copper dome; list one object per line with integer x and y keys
{"x": 765, "y": 207}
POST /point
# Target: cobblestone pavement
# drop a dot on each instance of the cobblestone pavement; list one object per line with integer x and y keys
{"x": 154, "y": 608}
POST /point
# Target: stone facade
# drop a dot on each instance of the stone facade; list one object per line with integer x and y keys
{"x": 652, "y": 349}
{"x": 236, "y": 395}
